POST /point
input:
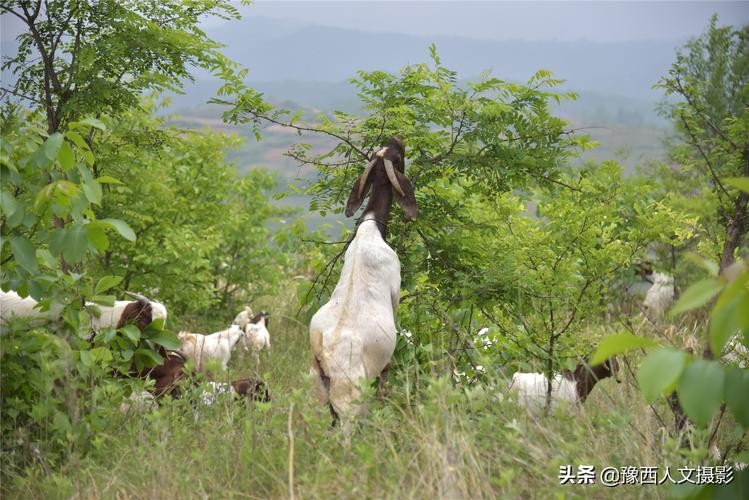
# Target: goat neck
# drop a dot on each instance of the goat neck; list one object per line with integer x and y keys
{"x": 233, "y": 335}
{"x": 380, "y": 202}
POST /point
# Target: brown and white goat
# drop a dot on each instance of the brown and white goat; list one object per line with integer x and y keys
{"x": 353, "y": 336}
{"x": 140, "y": 311}
{"x": 571, "y": 386}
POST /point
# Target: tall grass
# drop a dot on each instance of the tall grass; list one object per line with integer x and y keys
{"x": 427, "y": 440}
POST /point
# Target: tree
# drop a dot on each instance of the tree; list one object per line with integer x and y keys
{"x": 74, "y": 167}
{"x": 710, "y": 78}
{"x": 84, "y": 58}
{"x": 478, "y": 153}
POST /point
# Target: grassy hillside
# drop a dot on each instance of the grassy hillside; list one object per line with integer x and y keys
{"x": 430, "y": 438}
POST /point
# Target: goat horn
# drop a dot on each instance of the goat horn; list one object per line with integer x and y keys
{"x": 390, "y": 171}
{"x": 364, "y": 176}
{"x": 137, "y": 296}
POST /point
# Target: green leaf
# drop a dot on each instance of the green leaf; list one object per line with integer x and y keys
{"x": 76, "y": 242}
{"x": 90, "y": 122}
{"x": 24, "y": 253}
{"x": 698, "y": 295}
{"x": 660, "y": 371}
{"x": 52, "y": 146}
{"x": 109, "y": 334}
{"x": 723, "y": 324}
{"x": 132, "y": 332}
{"x": 121, "y": 227}
{"x": 147, "y": 358}
{"x": 106, "y": 283}
{"x": 8, "y": 203}
{"x": 617, "y": 344}
{"x": 106, "y": 179}
{"x": 741, "y": 183}
{"x": 77, "y": 139}
{"x": 102, "y": 354}
{"x": 66, "y": 157}
{"x": 103, "y": 300}
{"x": 97, "y": 236}
{"x": 156, "y": 325}
{"x": 736, "y": 389}
{"x": 86, "y": 358}
{"x": 166, "y": 339}
{"x": 92, "y": 190}
{"x": 701, "y": 390}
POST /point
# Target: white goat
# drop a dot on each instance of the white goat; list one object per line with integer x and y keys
{"x": 243, "y": 318}
{"x": 659, "y": 297}
{"x": 569, "y": 386}
{"x": 257, "y": 332}
{"x": 219, "y": 345}
{"x": 353, "y": 336}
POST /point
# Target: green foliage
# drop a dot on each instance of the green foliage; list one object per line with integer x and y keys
{"x": 480, "y": 155}
{"x": 702, "y": 385}
{"x": 619, "y": 344}
{"x": 99, "y": 197}
{"x": 710, "y": 80}
{"x": 660, "y": 371}
{"x": 202, "y": 231}
{"x": 701, "y": 390}
{"x": 85, "y": 58}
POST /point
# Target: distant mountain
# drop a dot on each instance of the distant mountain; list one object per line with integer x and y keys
{"x": 280, "y": 51}
{"x": 589, "y": 109}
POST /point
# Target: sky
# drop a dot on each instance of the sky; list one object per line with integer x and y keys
{"x": 605, "y": 21}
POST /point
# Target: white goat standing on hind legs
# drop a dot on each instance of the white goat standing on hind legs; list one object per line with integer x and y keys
{"x": 353, "y": 335}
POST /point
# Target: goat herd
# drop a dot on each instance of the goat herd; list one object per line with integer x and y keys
{"x": 353, "y": 335}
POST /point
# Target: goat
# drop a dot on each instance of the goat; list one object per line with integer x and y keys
{"x": 13, "y": 305}
{"x": 243, "y": 318}
{"x": 352, "y": 336}
{"x": 165, "y": 377}
{"x": 167, "y": 374}
{"x": 655, "y": 289}
{"x": 257, "y": 332}
{"x": 659, "y": 297}
{"x": 140, "y": 311}
{"x": 219, "y": 345}
{"x": 251, "y": 388}
{"x": 572, "y": 386}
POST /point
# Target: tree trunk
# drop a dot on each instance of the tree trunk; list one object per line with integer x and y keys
{"x": 735, "y": 231}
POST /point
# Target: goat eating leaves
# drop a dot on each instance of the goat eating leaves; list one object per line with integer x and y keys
{"x": 353, "y": 335}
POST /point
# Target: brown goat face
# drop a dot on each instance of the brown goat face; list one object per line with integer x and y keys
{"x": 614, "y": 368}
{"x": 609, "y": 368}
{"x": 644, "y": 269}
{"x": 138, "y": 312}
{"x": 384, "y": 177}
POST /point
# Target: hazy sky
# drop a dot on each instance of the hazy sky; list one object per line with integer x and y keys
{"x": 524, "y": 20}
{"x": 527, "y": 20}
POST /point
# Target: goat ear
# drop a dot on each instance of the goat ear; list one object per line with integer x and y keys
{"x": 354, "y": 199}
{"x": 407, "y": 200}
